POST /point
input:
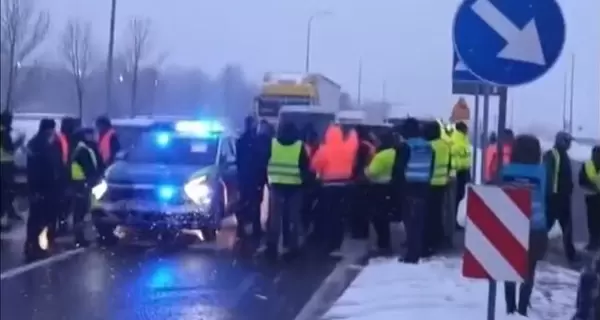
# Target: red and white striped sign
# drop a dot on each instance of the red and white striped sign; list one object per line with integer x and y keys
{"x": 497, "y": 233}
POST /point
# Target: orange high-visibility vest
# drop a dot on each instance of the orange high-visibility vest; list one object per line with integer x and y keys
{"x": 334, "y": 160}
{"x": 64, "y": 147}
{"x": 104, "y": 145}
{"x": 491, "y": 160}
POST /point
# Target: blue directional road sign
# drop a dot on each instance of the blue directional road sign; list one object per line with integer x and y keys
{"x": 460, "y": 72}
{"x": 509, "y": 42}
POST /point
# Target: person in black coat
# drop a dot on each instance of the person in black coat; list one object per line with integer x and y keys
{"x": 44, "y": 170}
{"x": 251, "y": 170}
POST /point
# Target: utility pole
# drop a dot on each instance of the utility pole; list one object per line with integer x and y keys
{"x": 572, "y": 93}
{"x": 109, "y": 60}
{"x": 359, "y": 89}
{"x": 309, "y": 36}
{"x": 564, "y": 106}
{"x": 384, "y": 91}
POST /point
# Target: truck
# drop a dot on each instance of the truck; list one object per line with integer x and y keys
{"x": 298, "y": 93}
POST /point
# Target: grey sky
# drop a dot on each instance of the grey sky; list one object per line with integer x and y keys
{"x": 407, "y": 43}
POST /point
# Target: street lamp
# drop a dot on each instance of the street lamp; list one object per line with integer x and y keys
{"x": 109, "y": 60}
{"x": 308, "y": 36}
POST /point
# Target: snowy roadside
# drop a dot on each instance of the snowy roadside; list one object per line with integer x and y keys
{"x": 435, "y": 289}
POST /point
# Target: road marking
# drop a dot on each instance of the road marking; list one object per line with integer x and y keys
{"x": 318, "y": 302}
{"x": 336, "y": 282}
{"x": 50, "y": 260}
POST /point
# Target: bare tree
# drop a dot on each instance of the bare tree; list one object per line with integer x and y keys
{"x": 137, "y": 52}
{"x": 22, "y": 29}
{"x": 76, "y": 50}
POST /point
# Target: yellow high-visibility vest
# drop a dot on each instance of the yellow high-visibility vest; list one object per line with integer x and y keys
{"x": 77, "y": 173}
{"x": 441, "y": 162}
{"x": 381, "y": 167}
{"x": 284, "y": 163}
{"x": 593, "y": 174}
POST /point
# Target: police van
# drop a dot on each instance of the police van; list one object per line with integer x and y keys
{"x": 176, "y": 178}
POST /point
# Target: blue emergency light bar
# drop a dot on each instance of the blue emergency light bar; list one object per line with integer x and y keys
{"x": 163, "y": 139}
{"x": 199, "y": 127}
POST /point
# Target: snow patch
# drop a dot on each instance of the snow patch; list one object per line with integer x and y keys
{"x": 435, "y": 289}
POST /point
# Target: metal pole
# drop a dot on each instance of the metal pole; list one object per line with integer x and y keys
{"x": 109, "y": 61}
{"x": 501, "y": 128}
{"x": 486, "y": 124}
{"x": 477, "y": 135}
{"x": 308, "y": 37}
{"x": 359, "y": 89}
{"x": 572, "y": 94}
{"x": 564, "y": 107}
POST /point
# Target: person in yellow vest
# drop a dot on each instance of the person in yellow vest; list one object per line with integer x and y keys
{"x": 288, "y": 172}
{"x": 560, "y": 186}
{"x": 379, "y": 172}
{"x": 85, "y": 174}
{"x": 461, "y": 159}
{"x": 434, "y": 230}
{"x": 589, "y": 179}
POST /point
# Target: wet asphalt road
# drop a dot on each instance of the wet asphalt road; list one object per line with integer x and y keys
{"x": 141, "y": 282}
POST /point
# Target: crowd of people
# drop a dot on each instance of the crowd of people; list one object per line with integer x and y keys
{"x": 62, "y": 167}
{"x": 358, "y": 180}
{"x": 322, "y": 189}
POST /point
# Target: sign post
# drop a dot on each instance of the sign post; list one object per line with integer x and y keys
{"x": 476, "y": 135}
{"x": 506, "y": 43}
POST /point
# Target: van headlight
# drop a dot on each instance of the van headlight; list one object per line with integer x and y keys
{"x": 100, "y": 189}
{"x": 198, "y": 190}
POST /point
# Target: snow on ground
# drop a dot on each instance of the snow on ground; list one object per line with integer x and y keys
{"x": 389, "y": 290}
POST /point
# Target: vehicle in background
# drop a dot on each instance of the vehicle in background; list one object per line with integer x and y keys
{"x": 129, "y": 130}
{"x": 302, "y": 116}
{"x": 295, "y": 89}
{"x": 351, "y": 116}
{"x": 175, "y": 179}
{"x": 376, "y": 130}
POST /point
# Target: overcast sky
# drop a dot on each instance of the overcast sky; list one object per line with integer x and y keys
{"x": 405, "y": 43}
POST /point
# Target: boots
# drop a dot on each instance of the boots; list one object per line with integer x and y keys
{"x": 510, "y": 296}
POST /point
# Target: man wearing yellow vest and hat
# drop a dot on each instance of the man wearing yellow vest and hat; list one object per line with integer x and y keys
{"x": 288, "y": 172}
{"x": 589, "y": 179}
{"x": 434, "y": 232}
{"x": 85, "y": 174}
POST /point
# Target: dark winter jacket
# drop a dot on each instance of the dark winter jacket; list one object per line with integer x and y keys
{"x": 252, "y": 157}
{"x": 44, "y": 166}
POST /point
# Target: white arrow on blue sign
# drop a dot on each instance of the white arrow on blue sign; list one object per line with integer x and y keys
{"x": 509, "y": 42}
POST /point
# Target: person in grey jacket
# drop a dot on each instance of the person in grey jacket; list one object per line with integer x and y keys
{"x": 588, "y": 294}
